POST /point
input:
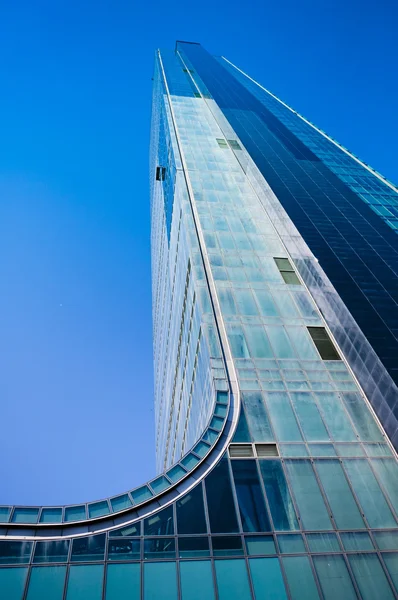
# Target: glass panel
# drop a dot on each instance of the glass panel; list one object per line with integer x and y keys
{"x": 51, "y": 515}
{"x": 370, "y": 577}
{"x": 335, "y": 417}
{"x": 257, "y": 417}
{"x": 209, "y": 436}
{"x": 387, "y": 471}
{"x": 98, "y": 509}
{"x": 266, "y": 303}
{"x": 13, "y": 581}
{"x": 334, "y": 577}
{"x": 314, "y": 514}
{"x": 161, "y": 523}
{"x": 220, "y": 502}
{"x": 160, "y": 581}
{"x": 278, "y": 495}
{"x": 280, "y": 342}
{"x": 362, "y": 418}
{"x": 141, "y": 494}
{"x": 25, "y": 515}
{"x": 391, "y": 561}
{"x": 122, "y": 549}
{"x": 120, "y": 502}
{"x": 242, "y": 431}
{"x": 15, "y": 552}
{"x": 344, "y": 508}
{"x": 4, "y": 514}
{"x": 386, "y": 540}
{"x": 85, "y": 582}
{"x": 123, "y": 582}
{"x": 321, "y": 450}
{"x": 88, "y": 548}
{"x": 260, "y": 544}
{"x": 323, "y": 542}
{"x": 370, "y": 496}
{"x": 129, "y": 530}
{"x": 227, "y": 545}
{"x": 159, "y": 548}
{"x": 237, "y": 342}
{"x": 309, "y": 417}
{"x": 49, "y": 552}
{"x": 300, "y": 578}
{"x": 201, "y": 449}
{"x": 293, "y": 450}
{"x": 356, "y": 541}
{"x": 246, "y": 303}
{"x": 46, "y": 583}
{"x": 302, "y": 342}
{"x": 75, "y": 513}
{"x": 159, "y": 484}
{"x": 191, "y": 460}
{"x": 258, "y": 342}
{"x": 196, "y": 580}
{"x": 191, "y": 513}
{"x": 349, "y": 450}
{"x": 227, "y": 301}
{"x": 282, "y": 417}
{"x": 378, "y": 450}
{"x": 190, "y": 547}
{"x": 251, "y": 503}
{"x": 232, "y": 580}
{"x": 267, "y": 578}
{"x": 291, "y": 544}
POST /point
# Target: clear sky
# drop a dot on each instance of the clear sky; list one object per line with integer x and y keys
{"x": 76, "y": 391}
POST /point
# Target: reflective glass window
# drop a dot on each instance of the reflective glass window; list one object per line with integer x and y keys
{"x": 14, "y": 552}
{"x": 302, "y": 342}
{"x": 278, "y": 495}
{"x": 25, "y": 515}
{"x": 220, "y": 501}
{"x": 314, "y": 514}
{"x": 282, "y": 417}
{"x": 237, "y": 342}
{"x": 191, "y": 513}
{"x": 190, "y": 547}
{"x": 232, "y": 580}
{"x": 257, "y": 417}
{"x": 98, "y": 509}
{"x": 251, "y": 503}
{"x": 51, "y": 551}
{"x": 242, "y": 431}
{"x": 334, "y": 578}
{"x": 300, "y": 578}
{"x": 386, "y": 540}
{"x": 88, "y": 548}
{"x": 323, "y": 542}
{"x": 51, "y": 515}
{"x": 362, "y": 418}
{"x": 370, "y": 577}
{"x": 260, "y": 544}
{"x": 323, "y": 343}
{"x": 123, "y": 582}
{"x": 159, "y": 548}
{"x": 387, "y": 471}
{"x": 141, "y": 494}
{"x": 280, "y": 342}
{"x": 120, "y": 502}
{"x": 266, "y": 303}
{"x": 161, "y": 523}
{"x": 335, "y": 417}
{"x": 75, "y": 513}
{"x": 267, "y": 578}
{"x": 13, "y": 580}
{"x": 160, "y": 581}
{"x": 291, "y": 544}
{"x": 129, "y": 530}
{"x": 46, "y": 583}
{"x": 257, "y": 340}
{"x": 356, "y": 541}
{"x": 344, "y": 508}
{"x": 227, "y": 545}
{"x": 85, "y": 582}
{"x": 4, "y": 514}
{"x": 309, "y": 417}
{"x": 124, "y": 549}
{"x": 369, "y": 494}
{"x": 246, "y": 303}
{"x": 391, "y": 562}
{"x": 196, "y": 580}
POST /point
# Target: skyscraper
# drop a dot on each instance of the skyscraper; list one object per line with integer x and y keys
{"x": 275, "y": 338}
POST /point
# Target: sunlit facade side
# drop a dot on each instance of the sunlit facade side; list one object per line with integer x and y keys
{"x": 276, "y": 479}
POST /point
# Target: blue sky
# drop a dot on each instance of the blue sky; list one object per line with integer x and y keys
{"x": 76, "y": 391}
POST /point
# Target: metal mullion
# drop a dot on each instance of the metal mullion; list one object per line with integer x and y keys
{"x": 27, "y": 582}
{"x": 347, "y": 562}
{"x": 315, "y": 574}
{"x": 387, "y": 574}
{"x": 234, "y": 496}
{"x": 214, "y": 577}
{"x": 66, "y": 581}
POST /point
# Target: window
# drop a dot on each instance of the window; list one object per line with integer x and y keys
{"x": 287, "y": 271}
{"x": 222, "y": 143}
{"x": 323, "y": 343}
{"x": 266, "y": 450}
{"x": 241, "y": 451}
{"x": 197, "y": 95}
{"x": 234, "y": 145}
{"x": 250, "y": 497}
{"x": 160, "y": 173}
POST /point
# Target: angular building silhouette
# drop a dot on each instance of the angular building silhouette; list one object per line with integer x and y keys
{"x": 274, "y": 262}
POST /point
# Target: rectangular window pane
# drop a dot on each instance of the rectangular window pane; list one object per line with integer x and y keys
{"x": 13, "y": 552}
{"x": 391, "y": 561}
{"x": 190, "y": 547}
{"x": 48, "y": 552}
{"x": 260, "y": 544}
{"x": 257, "y": 417}
{"x": 266, "y": 303}
{"x": 267, "y": 578}
{"x": 369, "y": 494}
{"x": 323, "y": 542}
{"x": 88, "y": 548}
{"x": 257, "y": 340}
{"x": 278, "y": 495}
{"x": 159, "y": 548}
{"x": 334, "y": 578}
{"x": 280, "y": 342}
{"x": 123, "y": 582}
{"x": 344, "y": 508}
{"x": 282, "y": 417}
{"x": 227, "y": 301}
{"x": 356, "y": 541}
{"x": 46, "y": 583}
{"x": 122, "y": 549}
{"x": 237, "y": 342}
{"x": 250, "y": 497}
{"x": 309, "y": 417}
{"x": 12, "y": 581}
{"x": 246, "y": 303}
{"x": 191, "y": 513}
{"x": 300, "y": 578}
{"x": 370, "y": 576}
{"x": 232, "y": 580}
{"x": 314, "y": 514}
{"x": 291, "y": 544}
{"x": 196, "y": 580}
{"x": 160, "y": 581}
{"x": 220, "y": 501}
{"x": 387, "y": 471}
{"x": 323, "y": 343}
{"x": 335, "y": 417}
{"x": 85, "y": 582}
{"x": 302, "y": 342}
{"x": 362, "y": 418}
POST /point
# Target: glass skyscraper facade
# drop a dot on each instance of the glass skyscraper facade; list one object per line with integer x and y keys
{"x": 274, "y": 261}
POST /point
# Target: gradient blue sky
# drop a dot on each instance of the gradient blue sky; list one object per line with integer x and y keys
{"x": 76, "y": 392}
